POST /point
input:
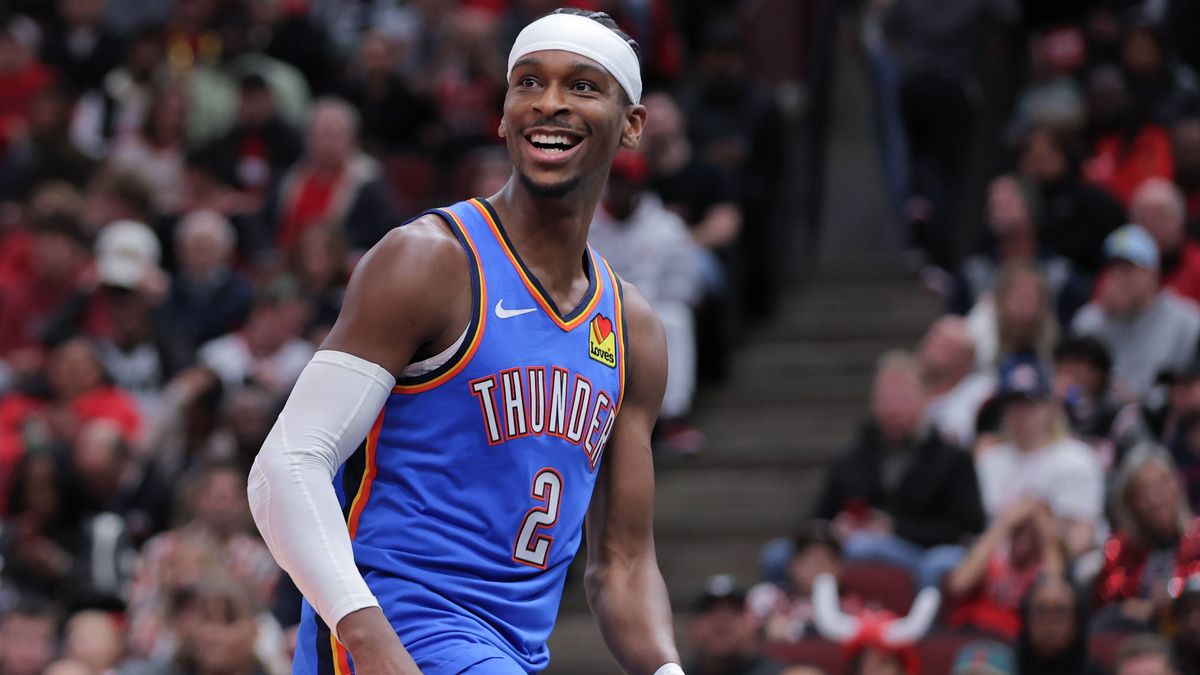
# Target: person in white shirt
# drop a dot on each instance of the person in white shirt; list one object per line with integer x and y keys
{"x": 956, "y": 391}
{"x": 1037, "y": 459}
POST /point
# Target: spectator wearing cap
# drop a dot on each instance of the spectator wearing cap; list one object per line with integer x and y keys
{"x": 1158, "y": 207}
{"x": 1156, "y": 538}
{"x": 268, "y": 350}
{"x": 956, "y": 390}
{"x": 1011, "y": 215}
{"x": 986, "y": 588}
{"x": 335, "y": 184}
{"x": 208, "y": 297}
{"x": 784, "y": 610}
{"x": 1082, "y": 369}
{"x": 1037, "y": 459}
{"x": 1144, "y": 654}
{"x": 649, "y": 246}
{"x": 900, "y": 493}
{"x": 721, "y": 633}
{"x": 984, "y": 657}
{"x": 1148, "y": 330}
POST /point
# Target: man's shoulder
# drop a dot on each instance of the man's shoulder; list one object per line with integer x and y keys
{"x": 1072, "y": 453}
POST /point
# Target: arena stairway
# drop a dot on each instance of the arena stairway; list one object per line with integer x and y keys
{"x": 797, "y": 394}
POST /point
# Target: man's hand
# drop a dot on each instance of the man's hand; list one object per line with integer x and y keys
{"x": 374, "y": 645}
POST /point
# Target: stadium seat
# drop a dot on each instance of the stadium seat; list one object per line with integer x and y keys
{"x": 882, "y": 584}
{"x": 939, "y": 649}
{"x": 1102, "y": 646}
{"x": 811, "y": 651}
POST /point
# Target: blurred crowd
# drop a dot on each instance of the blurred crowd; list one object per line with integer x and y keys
{"x": 185, "y": 188}
{"x": 1036, "y": 457}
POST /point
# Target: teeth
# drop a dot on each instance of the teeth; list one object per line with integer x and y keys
{"x": 548, "y": 139}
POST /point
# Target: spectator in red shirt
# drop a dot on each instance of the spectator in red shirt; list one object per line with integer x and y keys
{"x": 335, "y": 184}
{"x": 22, "y": 77}
{"x": 1158, "y": 206}
{"x": 78, "y": 392}
{"x": 1000, "y": 568}
{"x": 1127, "y": 149}
{"x": 1157, "y": 538}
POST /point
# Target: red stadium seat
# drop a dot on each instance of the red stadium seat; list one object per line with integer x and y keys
{"x": 812, "y": 651}
{"x": 881, "y": 584}
{"x": 1102, "y": 647}
{"x": 938, "y": 651}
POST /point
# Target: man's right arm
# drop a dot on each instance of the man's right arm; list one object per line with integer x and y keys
{"x": 411, "y": 290}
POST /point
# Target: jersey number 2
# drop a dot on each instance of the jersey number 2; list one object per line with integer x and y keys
{"x": 533, "y": 546}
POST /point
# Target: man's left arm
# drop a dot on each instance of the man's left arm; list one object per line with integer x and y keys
{"x": 624, "y": 586}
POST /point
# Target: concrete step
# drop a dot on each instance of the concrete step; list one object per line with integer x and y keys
{"x": 716, "y": 502}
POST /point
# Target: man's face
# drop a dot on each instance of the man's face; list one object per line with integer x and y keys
{"x": 564, "y": 119}
{"x": 1161, "y": 218}
{"x": 330, "y": 136}
{"x": 897, "y": 403}
{"x": 1129, "y": 288}
{"x": 26, "y": 644}
{"x": 221, "y": 501}
{"x": 1007, "y": 211}
{"x": 720, "y": 632}
{"x": 946, "y": 349}
{"x": 1146, "y": 664}
{"x": 1076, "y": 375}
{"x": 1042, "y": 160}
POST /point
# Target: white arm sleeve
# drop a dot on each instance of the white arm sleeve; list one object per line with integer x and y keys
{"x": 329, "y": 413}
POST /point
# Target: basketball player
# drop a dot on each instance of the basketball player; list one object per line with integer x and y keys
{"x": 466, "y": 404}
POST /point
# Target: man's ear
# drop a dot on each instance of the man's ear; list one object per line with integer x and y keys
{"x": 503, "y": 130}
{"x": 635, "y": 122}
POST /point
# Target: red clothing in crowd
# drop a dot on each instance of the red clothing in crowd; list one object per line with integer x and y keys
{"x": 310, "y": 206}
{"x": 1184, "y": 279}
{"x": 24, "y": 418}
{"x": 995, "y": 604}
{"x": 17, "y": 93}
{"x": 1125, "y": 563}
{"x": 1120, "y": 167}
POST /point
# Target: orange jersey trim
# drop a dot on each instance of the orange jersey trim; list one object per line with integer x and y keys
{"x": 364, "y": 487}
{"x": 545, "y": 304}
{"x": 341, "y": 657}
{"x": 481, "y": 320}
{"x": 619, "y": 321}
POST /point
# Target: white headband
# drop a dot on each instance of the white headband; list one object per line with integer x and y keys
{"x": 583, "y": 36}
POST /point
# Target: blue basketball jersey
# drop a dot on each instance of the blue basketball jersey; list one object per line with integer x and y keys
{"x": 466, "y": 502}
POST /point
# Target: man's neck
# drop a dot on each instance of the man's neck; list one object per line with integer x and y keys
{"x": 550, "y": 233}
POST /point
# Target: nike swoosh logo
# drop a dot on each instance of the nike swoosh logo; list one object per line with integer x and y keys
{"x": 503, "y": 313}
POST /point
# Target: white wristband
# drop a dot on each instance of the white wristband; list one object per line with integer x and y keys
{"x": 670, "y": 669}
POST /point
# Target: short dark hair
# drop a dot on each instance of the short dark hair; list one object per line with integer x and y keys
{"x": 1084, "y": 348}
{"x": 608, "y": 22}
{"x": 1139, "y": 645}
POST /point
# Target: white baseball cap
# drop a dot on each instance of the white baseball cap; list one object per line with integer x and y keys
{"x": 126, "y": 251}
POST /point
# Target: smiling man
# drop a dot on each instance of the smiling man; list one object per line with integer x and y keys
{"x": 489, "y": 386}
